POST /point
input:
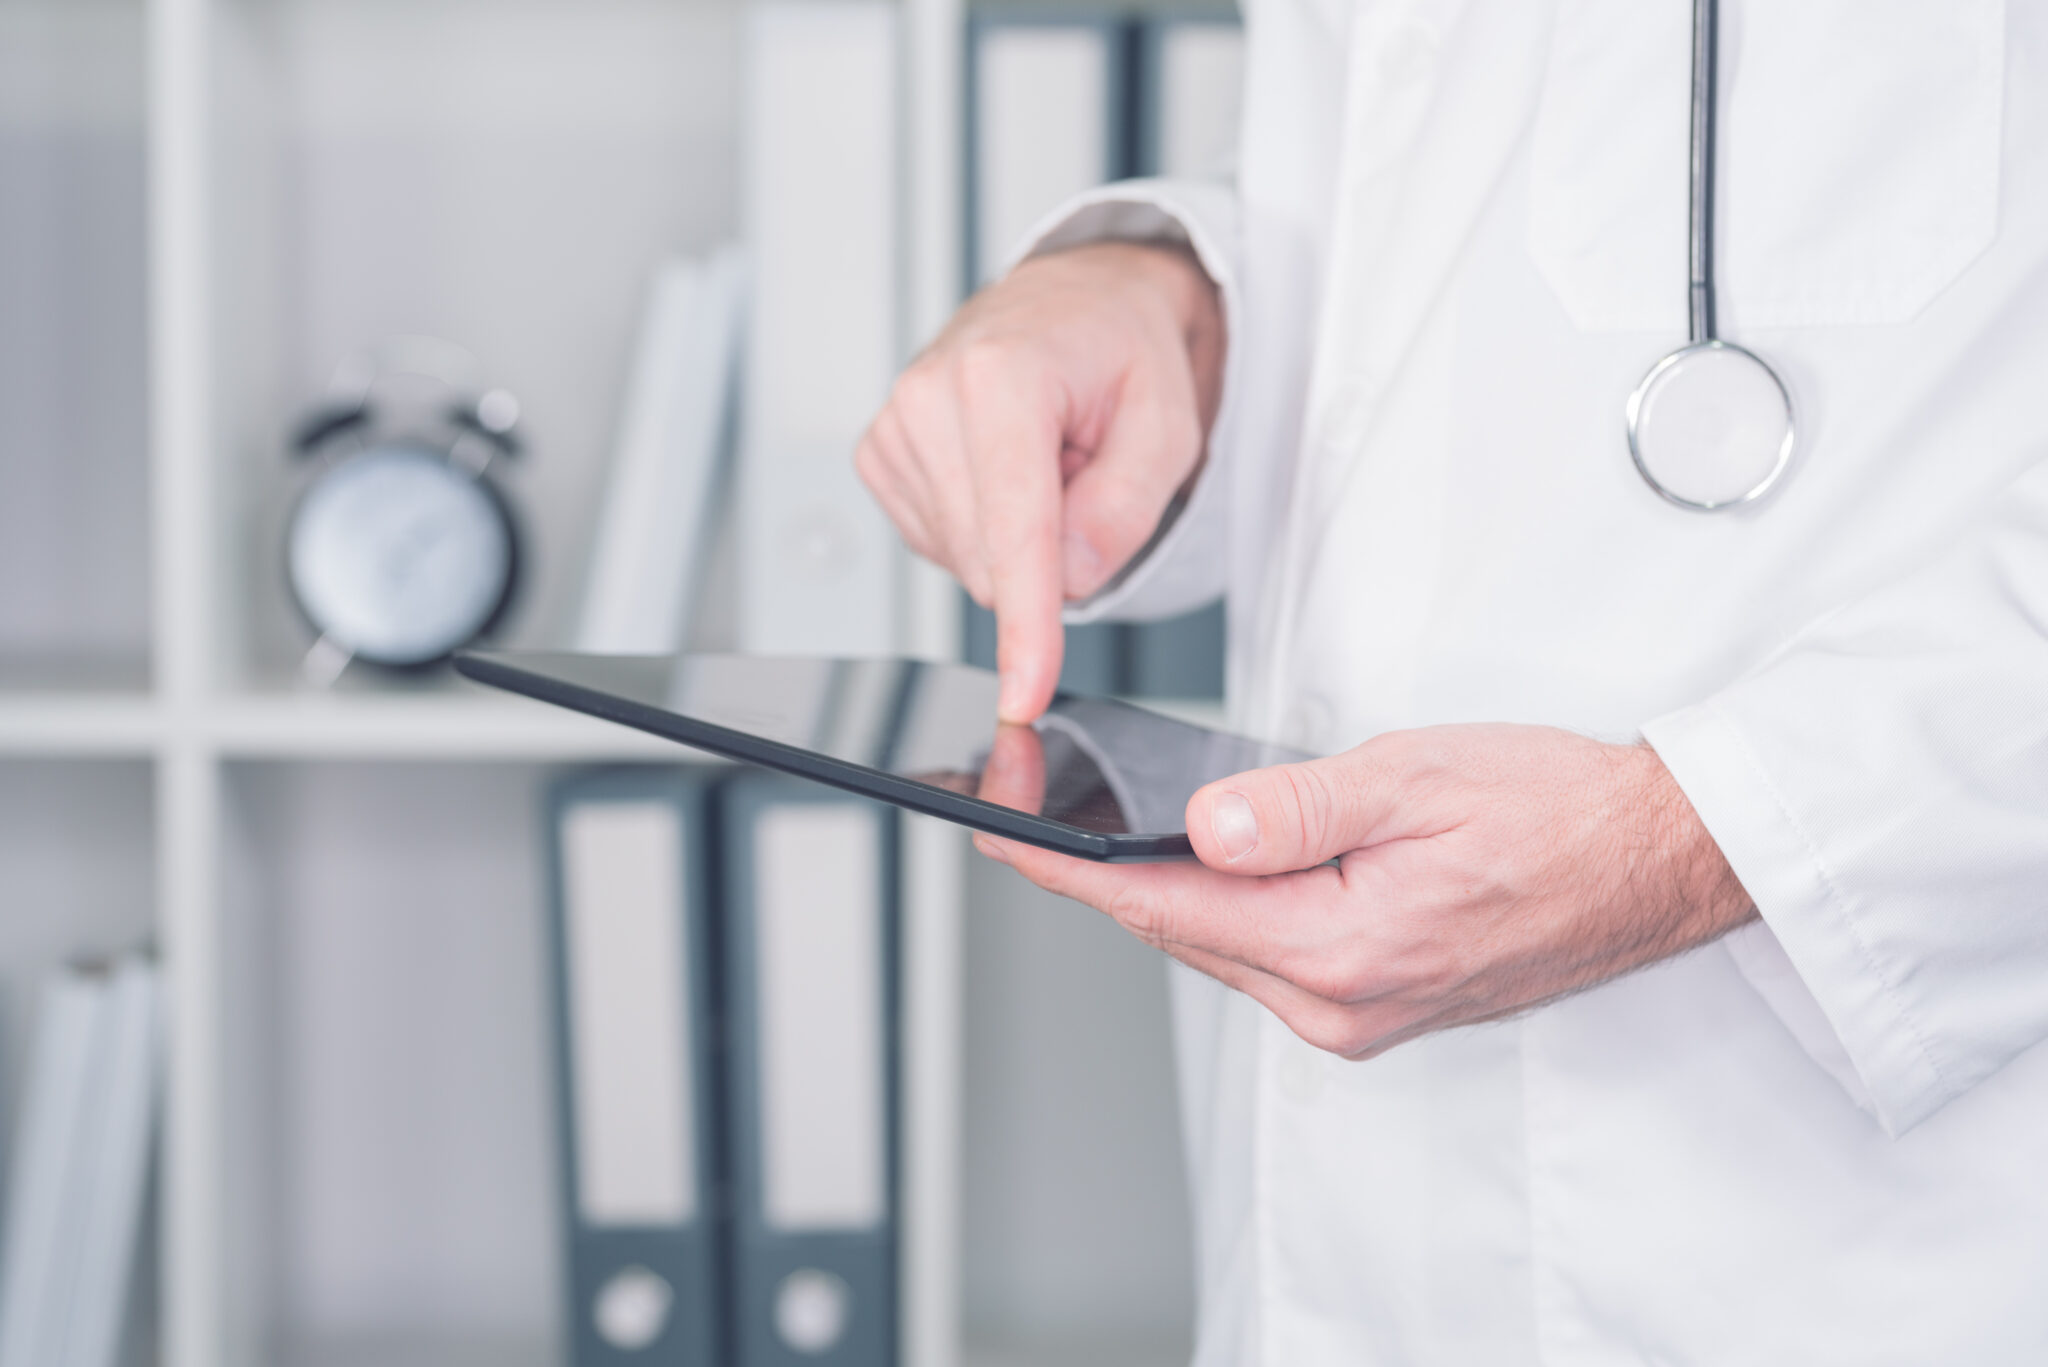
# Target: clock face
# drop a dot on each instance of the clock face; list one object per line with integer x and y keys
{"x": 399, "y": 556}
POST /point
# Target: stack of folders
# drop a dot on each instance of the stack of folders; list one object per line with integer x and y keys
{"x": 80, "y": 1171}
{"x": 725, "y": 959}
{"x": 1060, "y": 102}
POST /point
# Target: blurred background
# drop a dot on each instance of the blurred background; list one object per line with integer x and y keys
{"x": 278, "y": 1032}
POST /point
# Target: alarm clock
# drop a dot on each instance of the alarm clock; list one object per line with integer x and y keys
{"x": 401, "y": 549}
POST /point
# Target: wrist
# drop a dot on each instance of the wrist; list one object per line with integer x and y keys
{"x": 1703, "y": 891}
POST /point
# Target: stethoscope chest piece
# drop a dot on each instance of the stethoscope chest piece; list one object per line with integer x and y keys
{"x": 1710, "y": 426}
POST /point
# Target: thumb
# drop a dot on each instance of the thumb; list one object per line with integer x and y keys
{"x": 1291, "y": 816}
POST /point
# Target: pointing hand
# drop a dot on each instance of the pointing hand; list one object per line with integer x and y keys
{"x": 1033, "y": 447}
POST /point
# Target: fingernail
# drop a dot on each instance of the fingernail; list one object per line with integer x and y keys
{"x": 1010, "y": 701}
{"x": 991, "y": 849}
{"x": 1235, "y": 826}
{"x": 1083, "y": 564}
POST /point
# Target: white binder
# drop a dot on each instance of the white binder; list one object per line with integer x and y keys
{"x": 818, "y": 560}
{"x": 648, "y": 549}
{"x": 81, "y": 1168}
{"x": 1046, "y": 106}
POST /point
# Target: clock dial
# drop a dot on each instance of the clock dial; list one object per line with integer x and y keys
{"x": 399, "y": 556}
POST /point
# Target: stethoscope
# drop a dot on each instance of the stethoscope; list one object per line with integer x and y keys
{"x": 1710, "y": 427}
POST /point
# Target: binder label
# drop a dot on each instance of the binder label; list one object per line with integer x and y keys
{"x": 819, "y": 958}
{"x": 622, "y": 866}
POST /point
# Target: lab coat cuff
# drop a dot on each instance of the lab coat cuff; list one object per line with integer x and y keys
{"x": 1181, "y": 567}
{"x": 1808, "y": 961}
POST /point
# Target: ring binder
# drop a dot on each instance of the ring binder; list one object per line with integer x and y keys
{"x": 637, "y": 1065}
{"x": 811, "y": 954}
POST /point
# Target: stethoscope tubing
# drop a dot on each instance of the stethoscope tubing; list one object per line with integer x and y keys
{"x": 1706, "y": 24}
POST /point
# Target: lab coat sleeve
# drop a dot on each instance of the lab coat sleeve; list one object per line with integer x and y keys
{"x": 1183, "y": 566}
{"x": 1880, "y": 785}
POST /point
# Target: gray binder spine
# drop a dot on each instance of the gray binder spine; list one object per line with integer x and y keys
{"x": 1152, "y": 101}
{"x": 646, "y": 1219}
{"x": 815, "y": 1264}
{"x": 1179, "y": 657}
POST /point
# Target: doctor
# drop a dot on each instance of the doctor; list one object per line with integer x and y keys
{"x": 1696, "y": 862}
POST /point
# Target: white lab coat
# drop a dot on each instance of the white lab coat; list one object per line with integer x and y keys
{"x": 1455, "y": 243}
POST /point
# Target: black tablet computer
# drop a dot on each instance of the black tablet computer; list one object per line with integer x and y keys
{"x": 1093, "y": 777}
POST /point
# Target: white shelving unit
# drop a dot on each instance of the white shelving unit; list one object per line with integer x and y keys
{"x": 224, "y": 198}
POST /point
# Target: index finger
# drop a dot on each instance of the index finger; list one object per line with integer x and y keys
{"x": 1012, "y": 426}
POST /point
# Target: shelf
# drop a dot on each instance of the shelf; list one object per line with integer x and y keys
{"x": 217, "y": 201}
{"x": 66, "y": 725}
{"x": 456, "y": 723}
{"x": 447, "y": 726}
{"x": 465, "y": 725}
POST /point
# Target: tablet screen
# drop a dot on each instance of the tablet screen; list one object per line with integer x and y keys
{"x": 1093, "y": 776}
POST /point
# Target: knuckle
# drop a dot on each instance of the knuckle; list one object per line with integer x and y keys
{"x": 921, "y": 392}
{"x": 1136, "y": 910}
{"x": 1423, "y": 756}
{"x": 868, "y": 463}
{"x": 1347, "y": 976}
{"x": 1332, "y": 1031}
{"x": 989, "y": 365}
{"x": 1176, "y": 432}
{"x": 974, "y": 578}
{"x": 1309, "y": 791}
{"x": 1121, "y": 507}
{"x": 920, "y": 543}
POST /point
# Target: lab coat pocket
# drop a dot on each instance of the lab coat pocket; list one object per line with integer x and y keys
{"x": 1858, "y": 165}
